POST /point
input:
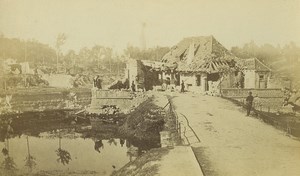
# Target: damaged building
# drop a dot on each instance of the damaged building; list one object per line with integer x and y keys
{"x": 202, "y": 63}
{"x": 256, "y": 74}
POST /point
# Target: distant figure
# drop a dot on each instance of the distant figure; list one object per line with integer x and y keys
{"x": 95, "y": 80}
{"x": 249, "y": 101}
{"x": 7, "y": 100}
{"x": 182, "y": 87}
{"x": 98, "y": 83}
{"x": 133, "y": 86}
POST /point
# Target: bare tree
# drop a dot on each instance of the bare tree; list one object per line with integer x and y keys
{"x": 60, "y": 40}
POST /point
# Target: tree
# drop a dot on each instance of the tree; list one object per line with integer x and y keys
{"x": 154, "y": 54}
{"x": 36, "y": 52}
{"x": 60, "y": 40}
{"x": 98, "y": 54}
{"x": 70, "y": 58}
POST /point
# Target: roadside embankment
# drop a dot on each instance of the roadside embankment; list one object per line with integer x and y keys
{"x": 145, "y": 122}
{"x": 171, "y": 158}
{"x": 287, "y": 122}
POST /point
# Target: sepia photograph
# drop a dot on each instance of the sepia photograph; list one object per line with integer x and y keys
{"x": 150, "y": 88}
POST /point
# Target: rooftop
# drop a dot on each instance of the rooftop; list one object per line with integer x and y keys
{"x": 202, "y": 53}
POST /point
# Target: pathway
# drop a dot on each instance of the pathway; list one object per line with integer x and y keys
{"x": 234, "y": 144}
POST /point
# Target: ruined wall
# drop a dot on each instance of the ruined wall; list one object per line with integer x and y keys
{"x": 249, "y": 79}
{"x": 124, "y": 100}
{"x": 134, "y": 72}
{"x": 47, "y": 99}
{"x": 228, "y": 81}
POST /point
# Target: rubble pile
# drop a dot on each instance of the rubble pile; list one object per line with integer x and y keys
{"x": 110, "y": 109}
{"x": 119, "y": 84}
{"x": 82, "y": 81}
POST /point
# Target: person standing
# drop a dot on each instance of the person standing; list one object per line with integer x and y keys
{"x": 133, "y": 86}
{"x": 249, "y": 101}
{"x": 182, "y": 87}
{"x": 99, "y": 82}
{"x": 95, "y": 80}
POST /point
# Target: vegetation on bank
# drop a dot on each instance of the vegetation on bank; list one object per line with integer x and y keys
{"x": 145, "y": 122}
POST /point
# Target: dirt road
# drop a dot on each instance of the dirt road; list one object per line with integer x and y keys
{"x": 234, "y": 144}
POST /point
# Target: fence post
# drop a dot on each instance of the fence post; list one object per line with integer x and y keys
{"x": 260, "y": 107}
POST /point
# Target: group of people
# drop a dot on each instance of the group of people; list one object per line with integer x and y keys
{"x": 182, "y": 85}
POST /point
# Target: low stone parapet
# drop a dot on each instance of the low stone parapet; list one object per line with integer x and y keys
{"x": 270, "y": 100}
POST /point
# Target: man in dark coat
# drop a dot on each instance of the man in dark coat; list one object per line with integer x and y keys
{"x": 249, "y": 101}
{"x": 99, "y": 82}
{"x": 182, "y": 87}
{"x": 133, "y": 86}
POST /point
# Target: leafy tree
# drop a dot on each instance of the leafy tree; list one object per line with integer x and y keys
{"x": 30, "y": 50}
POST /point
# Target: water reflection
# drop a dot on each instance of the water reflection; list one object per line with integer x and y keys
{"x": 71, "y": 154}
{"x": 98, "y": 145}
{"x": 112, "y": 141}
{"x": 30, "y": 161}
{"x": 64, "y": 156}
{"x": 67, "y": 148}
{"x": 122, "y": 141}
{"x": 8, "y": 165}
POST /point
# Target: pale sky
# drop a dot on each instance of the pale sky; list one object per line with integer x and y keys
{"x": 117, "y": 23}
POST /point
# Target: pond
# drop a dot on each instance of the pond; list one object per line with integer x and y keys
{"x": 101, "y": 156}
{"x": 65, "y": 148}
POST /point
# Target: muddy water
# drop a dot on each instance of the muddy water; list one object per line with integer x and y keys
{"x": 101, "y": 156}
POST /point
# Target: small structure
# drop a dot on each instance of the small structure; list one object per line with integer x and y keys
{"x": 256, "y": 74}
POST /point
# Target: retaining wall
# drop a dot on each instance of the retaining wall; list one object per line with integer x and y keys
{"x": 270, "y": 100}
{"x": 124, "y": 100}
{"x": 32, "y": 99}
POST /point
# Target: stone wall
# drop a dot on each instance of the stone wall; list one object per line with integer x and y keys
{"x": 46, "y": 99}
{"x": 124, "y": 100}
{"x": 270, "y": 100}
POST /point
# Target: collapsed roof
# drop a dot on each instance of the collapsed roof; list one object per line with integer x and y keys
{"x": 200, "y": 54}
{"x": 253, "y": 64}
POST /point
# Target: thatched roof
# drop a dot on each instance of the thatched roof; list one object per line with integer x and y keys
{"x": 199, "y": 54}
